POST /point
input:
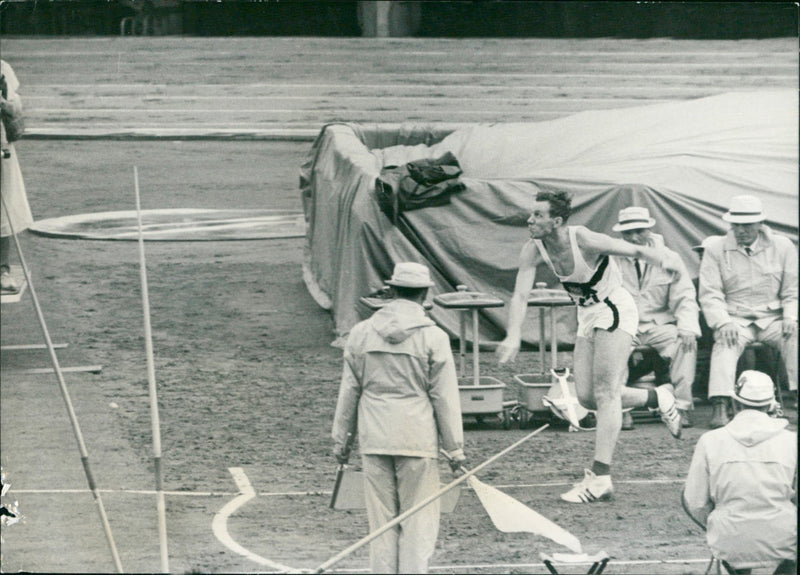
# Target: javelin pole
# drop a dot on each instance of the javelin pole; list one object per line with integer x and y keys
{"x": 381, "y": 530}
{"x": 151, "y": 381}
{"x": 65, "y": 394}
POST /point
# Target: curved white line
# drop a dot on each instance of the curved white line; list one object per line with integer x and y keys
{"x": 220, "y": 523}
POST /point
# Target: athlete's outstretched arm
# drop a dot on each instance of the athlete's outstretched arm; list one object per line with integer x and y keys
{"x": 529, "y": 258}
{"x": 600, "y": 244}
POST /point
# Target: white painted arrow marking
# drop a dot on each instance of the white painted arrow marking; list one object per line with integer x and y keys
{"x": 220, "y": 523}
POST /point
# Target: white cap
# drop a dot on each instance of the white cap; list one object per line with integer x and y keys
{"x": 410, "y": 274}
{"x": 754, "y": 388}
{"x": 744, "y": 210}
{"x": 633, "y": 218}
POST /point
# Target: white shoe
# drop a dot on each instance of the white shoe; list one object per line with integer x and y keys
{"x": 592, "y": 488}
{"x": 668, "y": 410}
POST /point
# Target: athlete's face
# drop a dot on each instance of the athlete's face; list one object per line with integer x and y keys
{"x": 540, "y": 224}
{"x": 746, "y": 234}
{"x": 638, "y": 237}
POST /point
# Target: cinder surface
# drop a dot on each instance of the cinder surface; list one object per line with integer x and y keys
{"x": 245, "y": 373}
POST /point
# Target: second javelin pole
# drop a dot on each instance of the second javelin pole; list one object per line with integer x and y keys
{"x": 151, "y": 381}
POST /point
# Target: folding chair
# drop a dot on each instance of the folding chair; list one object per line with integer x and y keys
{"x": 597, "y": 562}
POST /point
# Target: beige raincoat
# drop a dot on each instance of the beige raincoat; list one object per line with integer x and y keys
{"x": 400, "y": 390}
{"x": 12, "y": 185}
{"x": 743, "y": 481}
{"x": 756, "y": 292}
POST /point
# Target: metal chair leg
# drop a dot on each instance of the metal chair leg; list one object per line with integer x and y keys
{"x": 598, "y": 567}
{"x": 550, "y": 567}
{"x": 777, "y": 371}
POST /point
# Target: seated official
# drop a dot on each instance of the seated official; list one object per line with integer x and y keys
{"x": 748, "y": 293}
{"x": 667, "y": 305}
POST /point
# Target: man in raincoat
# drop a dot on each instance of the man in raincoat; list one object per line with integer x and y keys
{"x": 748, "y": 292}
{"x": 399, "y": 389}
{"x": 668, "y": 311}
{"x": 15, "y": 214}
{"x": 742, "y": 483}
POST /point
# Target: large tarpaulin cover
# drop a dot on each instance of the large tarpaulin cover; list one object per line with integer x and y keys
{"x": 682, "y": 160}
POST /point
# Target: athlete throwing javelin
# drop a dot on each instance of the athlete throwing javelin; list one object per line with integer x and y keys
{"x": 607, "y": 323}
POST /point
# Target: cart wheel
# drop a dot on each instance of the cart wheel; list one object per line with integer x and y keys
{"x": 523, "y": 418}
{"x": 479, "y": 419}
{"x": 505, "y": 419}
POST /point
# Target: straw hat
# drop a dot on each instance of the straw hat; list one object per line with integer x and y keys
{"x": 744, "y": 210}
{"x": 411, "y": 275}
{"x": 633, "y": 218}
{"x": 754, "y": 388}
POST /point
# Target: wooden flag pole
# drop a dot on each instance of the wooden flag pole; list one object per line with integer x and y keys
{"x": 76, "y": 428}
{"x": 151, "y": 382}
{"x": 383, "y": 529}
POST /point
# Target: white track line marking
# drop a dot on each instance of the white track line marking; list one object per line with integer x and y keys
{"x": 340, "y": 97}
{"x": 320, "y": 493}
{"x": 530, "y": 53}
{"x": 220, "y": 523}
{"x": 150, "y": 88}
{"x": 497, "y": 567}
{"x": 246, "y": 493}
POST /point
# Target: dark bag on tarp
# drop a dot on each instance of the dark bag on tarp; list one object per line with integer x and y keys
{"x": 420, "y": 184}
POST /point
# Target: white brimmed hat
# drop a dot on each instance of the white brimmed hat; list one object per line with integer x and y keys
{"x": 754, "y": 388}
{"x": 744, "y": 210}
{"x": 633, "y": 218}
{"x": 411, "y": 275}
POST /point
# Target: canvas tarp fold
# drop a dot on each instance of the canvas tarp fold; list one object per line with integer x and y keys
{"x": 682, "y": 160}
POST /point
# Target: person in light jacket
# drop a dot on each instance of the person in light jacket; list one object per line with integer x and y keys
{"x": 15, "y": 213}
{"x": 399, "y": 389}
{"x": 742, "y": 483}
{"x": 668, "y": 310}
{"x": 748, "y": 292}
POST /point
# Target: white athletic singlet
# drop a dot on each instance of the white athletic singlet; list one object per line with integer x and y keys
{"x": 603, "y": 302}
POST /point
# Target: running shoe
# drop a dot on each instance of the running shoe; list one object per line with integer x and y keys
{"x": 592, "y": 488}
{"x": 668, "y": 410}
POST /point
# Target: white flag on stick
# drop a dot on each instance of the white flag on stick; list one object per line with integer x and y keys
{"x": 511, "y": 516}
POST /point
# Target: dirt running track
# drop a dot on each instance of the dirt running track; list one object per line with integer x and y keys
{"x": 247, "y": 379}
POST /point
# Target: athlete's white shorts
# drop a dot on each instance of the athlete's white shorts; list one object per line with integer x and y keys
{"x": 617, "y": 311}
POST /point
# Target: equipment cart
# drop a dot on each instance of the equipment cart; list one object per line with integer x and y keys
{"x": 483, "y": 395}
{"x": 533, "y": 387}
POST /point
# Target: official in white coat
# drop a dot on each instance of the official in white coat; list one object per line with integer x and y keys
{"x": 667, "y": 304}
{"x": 399, "y": 389}
{"x": 748, "y": 292}
{"x": 742, "y": 483}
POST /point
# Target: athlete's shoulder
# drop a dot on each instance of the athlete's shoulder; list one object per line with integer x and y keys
{"x": 582, "y": 233}
{"x": 580, "y": 230}
{"x": 590, "y": 241}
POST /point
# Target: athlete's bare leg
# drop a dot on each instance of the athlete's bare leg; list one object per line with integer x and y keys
{"x": 611, "y": 349}
{"x": 582, "y": 368}
{"x": 599, "y": 366}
